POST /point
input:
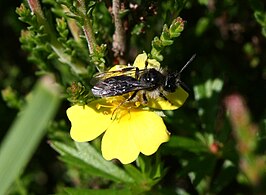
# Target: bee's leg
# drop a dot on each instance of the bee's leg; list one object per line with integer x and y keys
{"x": 128, "y": 99}
{"x": 165, "y": 98}
{"x": 146, "y": 64}
{"x": 137, "y": 73}
{"x": 112, "y": 117}
{"x": 183, "y": 85}
{"x": 145, "y": 99}
{"x": 132, "y": 96}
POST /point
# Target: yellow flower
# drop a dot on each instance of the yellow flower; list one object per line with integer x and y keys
{"x": 130, "y": 128}
{"x": 128, "y": 132}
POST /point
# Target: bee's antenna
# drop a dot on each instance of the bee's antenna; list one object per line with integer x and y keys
{"x": 188, "y": 62}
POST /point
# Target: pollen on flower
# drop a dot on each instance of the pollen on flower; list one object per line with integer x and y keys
{"x": 137, "y": 104}
{"x": 98, "y": 106}
{"x": 106, "y": 112}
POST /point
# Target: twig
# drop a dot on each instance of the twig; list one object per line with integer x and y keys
{"x": 87, "y": 27}
{"x": 119, "y": 44}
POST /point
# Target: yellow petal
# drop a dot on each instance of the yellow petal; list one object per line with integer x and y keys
{"x": 176, "y": 100}
{"x": 137, "y": 131}
{"x": 117, "y": 67}
{"x": 118, "y": 142}
{"x": 154, "y": 64}
{"x": 140, "y": 61}
{"x": 86, "y": 122}
{"x": 149, "y": 131}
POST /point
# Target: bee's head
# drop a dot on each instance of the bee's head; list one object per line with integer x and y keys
{"x": 173, "y": 81}
{"x": 152, "y": 77}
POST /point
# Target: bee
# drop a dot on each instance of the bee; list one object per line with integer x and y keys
{"x": 149, "y": 82}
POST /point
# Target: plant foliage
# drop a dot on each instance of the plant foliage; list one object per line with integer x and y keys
{"x": 217, "y": 143}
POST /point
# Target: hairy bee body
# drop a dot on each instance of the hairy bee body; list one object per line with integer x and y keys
{"x": 148, "y": 81}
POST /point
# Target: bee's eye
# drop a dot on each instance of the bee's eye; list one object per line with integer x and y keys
{"x": 170, "y": 84}
{"x": 150, "y": 78}
{"x": 170, "y": 87}
{"x": 147, "y": 78}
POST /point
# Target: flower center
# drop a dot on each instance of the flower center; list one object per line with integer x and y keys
{"x": 117, "y": 106}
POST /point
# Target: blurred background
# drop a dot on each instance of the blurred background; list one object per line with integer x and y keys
{"x": 230, "y": 43}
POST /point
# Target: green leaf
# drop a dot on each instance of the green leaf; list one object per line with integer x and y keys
{"x": 27, "y": 131}
{"x": 75, "y": 191}
{"x": 176, "y": 27}
{"x": 207, "y": 89}
{"x": 166, "y": 38}
{"x": 202, "y": 26}
{"x": 203, "y": 166}
{"x": 137, "y": 29}
{"x": 203, "y": 2}
{"x": 134, "y": 173}
{"x": 225, "y": 177}
{"x": 260, "y": 17}
{"x": 186, "y": 144}
{"x": 87, "y": 158}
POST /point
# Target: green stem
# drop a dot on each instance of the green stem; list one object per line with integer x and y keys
{"x": 73, "y": 27}
{"x": 78, "y": 68}
{"x": 87, "y": 27}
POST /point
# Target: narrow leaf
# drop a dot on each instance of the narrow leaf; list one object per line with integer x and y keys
{"x": 91, "y": 161}
{"x": 186, "y": 144}
{"x": 27, "y": 131}
{"x": 75, "y": 191}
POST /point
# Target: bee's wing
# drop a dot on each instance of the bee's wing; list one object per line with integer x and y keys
{"x": 128, "y": 71}
{"x": 117, "y": 85}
